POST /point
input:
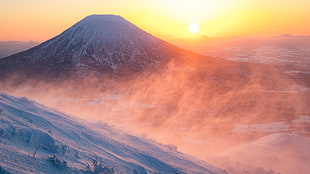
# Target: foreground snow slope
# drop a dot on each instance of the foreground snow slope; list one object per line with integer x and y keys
{"x": 37, "y": 139}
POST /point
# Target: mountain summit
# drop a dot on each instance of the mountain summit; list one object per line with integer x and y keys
{"x": 96, "y": 44}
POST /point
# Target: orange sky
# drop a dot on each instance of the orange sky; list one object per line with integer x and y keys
{"x": 40, "y": 20}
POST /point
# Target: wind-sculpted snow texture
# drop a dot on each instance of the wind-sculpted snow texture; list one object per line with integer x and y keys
{"x": 37, "y": 139}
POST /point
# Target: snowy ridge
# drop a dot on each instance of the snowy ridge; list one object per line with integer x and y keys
{"x": 43, "y": 140}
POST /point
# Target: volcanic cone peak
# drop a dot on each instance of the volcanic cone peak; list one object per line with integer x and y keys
{"x": 96, "y": 44}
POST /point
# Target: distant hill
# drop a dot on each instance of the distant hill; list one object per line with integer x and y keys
{"x": 8, "y": 48}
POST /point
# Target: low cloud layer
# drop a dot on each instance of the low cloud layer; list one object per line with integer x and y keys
{"x": 199, "y": 107}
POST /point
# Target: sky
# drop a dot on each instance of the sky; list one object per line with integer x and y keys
{"x": 39, "y": 20}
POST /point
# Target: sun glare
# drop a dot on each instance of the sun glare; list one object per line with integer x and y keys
{"x": 193, "y": 28}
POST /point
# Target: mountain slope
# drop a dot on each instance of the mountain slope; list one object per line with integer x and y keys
{"x": 43, "y": 140}
{"x": 97, "y": 44}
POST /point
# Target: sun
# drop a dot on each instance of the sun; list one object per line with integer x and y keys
{"x": 193, "y": 28}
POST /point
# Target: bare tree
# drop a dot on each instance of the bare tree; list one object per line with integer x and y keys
{"x": 36, "y": 150}
{"x": 94, "y": 161}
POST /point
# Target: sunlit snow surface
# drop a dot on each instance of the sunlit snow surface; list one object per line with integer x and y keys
{"x": 32, "y": 135}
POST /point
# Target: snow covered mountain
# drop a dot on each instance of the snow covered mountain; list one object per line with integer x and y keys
{"x": 37, "y": 139}
{"x": 97, "y": 44}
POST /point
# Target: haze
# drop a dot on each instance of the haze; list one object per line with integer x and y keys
{"x": 39, "y": 20}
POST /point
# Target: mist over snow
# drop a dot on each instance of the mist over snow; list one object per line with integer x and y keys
{"x": 37, "y": 139}
{"x": 248, "y": 115}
